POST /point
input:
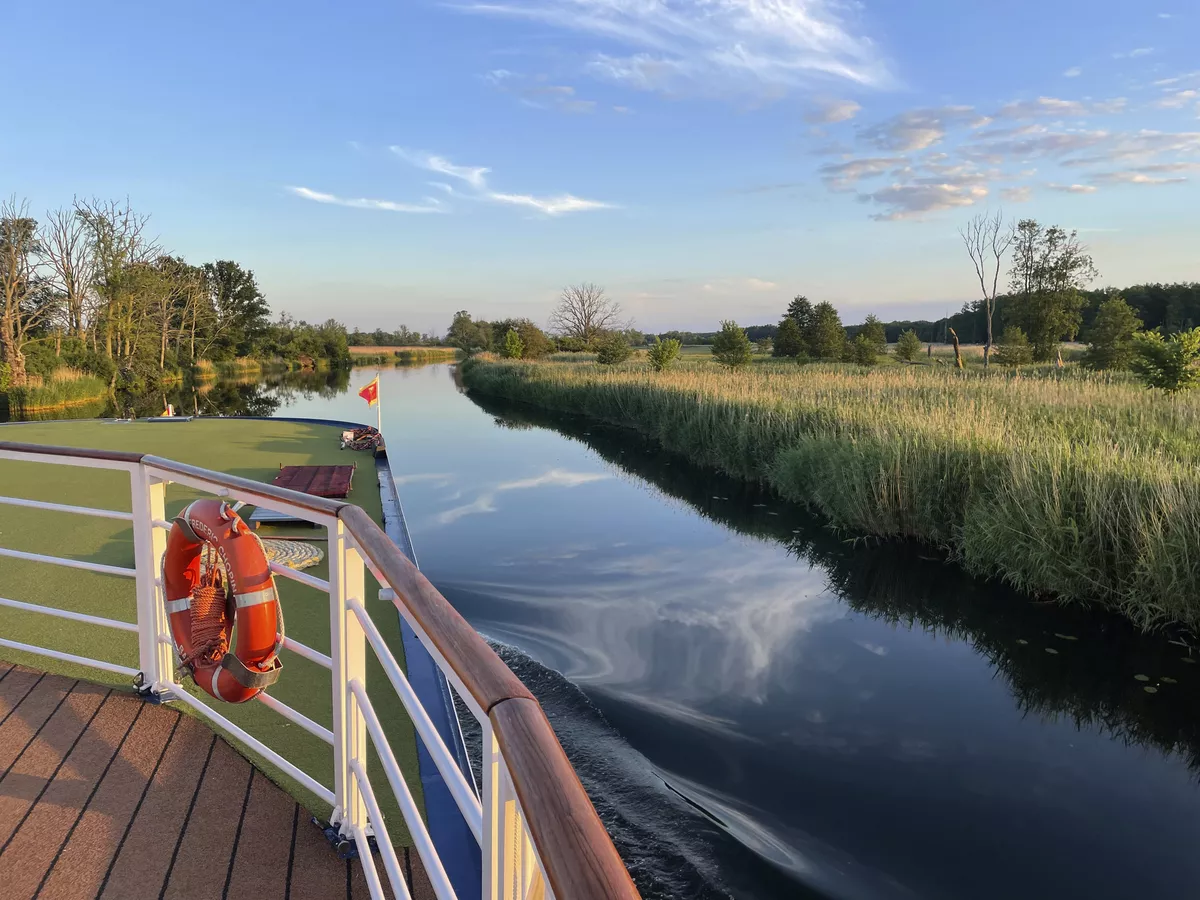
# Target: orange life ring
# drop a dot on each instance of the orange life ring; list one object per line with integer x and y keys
{"x": 203, "y": 608}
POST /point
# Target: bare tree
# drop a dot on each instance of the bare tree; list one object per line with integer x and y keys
{"x": 66, "y": 241}
{"x": 119, "y": 246}
{"x": 987, "y": 239}
{"x": 584, "y": 313}
{"x": 26, "y": 300}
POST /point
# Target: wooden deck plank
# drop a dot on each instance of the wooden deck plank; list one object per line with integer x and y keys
{"x": 103, "y": 795}
{"x": 30, "y": 711}
{"x": 30, "y": 774}
{"x": 140, "y": 867}
{"x": 85, "y": 857}
{"x": 260, "y": 864}
{"x": 206, "y": 848}
{"x": 32, "y": 850}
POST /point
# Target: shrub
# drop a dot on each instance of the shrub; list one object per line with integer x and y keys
{"x": 908, "y": 347}
{"x": 764, "y": 345}
{"x": 612, "y": 349}
{"x": 663, "y": 353}
{"x": 731, "y": 347}
{"x": 1111, "y": 336}
{"x": 513, "y": 346}
{"x": 570, "y": 345}
{"x": 1013, "y": 348}
{"x": 789, "y": 339}
{"x": 863, "y": 349}
{"x": 534, "y": 340}
{"x": 1170, "y": 364}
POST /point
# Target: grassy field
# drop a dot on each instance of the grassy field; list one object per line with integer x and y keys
{"x": 249, "y": 449}
{"x": 1082, "y": 487}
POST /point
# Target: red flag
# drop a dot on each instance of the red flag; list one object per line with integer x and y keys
{"x": 370, "y": 392}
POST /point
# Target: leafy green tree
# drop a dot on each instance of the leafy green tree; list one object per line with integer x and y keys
{"x": 826, "y": 338}
{"x": 908, "y": 347}
{"x": 763, "y": 345}
{"x": 789, "y": 340}
{"x": 1111, "y": 336}
{"x": 612, "y": 349}
{"x": 663, "y": 353}
{"x": 1050, "y": 268}
{"x": 731, "y": 347}
{"x": 513, "y": 347}
{"x": 466, "y": 335}
{"x": 534, "y": 341}
{"x": 800, "y": 311}
{"x": 242, "y": 312}
{"x": 1014, "y": 348}
{"x": 875, "y": 333}
{"x": 1170, "y": 364}
{"x": 863, "y": 350}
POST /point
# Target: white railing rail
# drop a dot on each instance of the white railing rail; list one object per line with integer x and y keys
{"x": 538, "y": 834}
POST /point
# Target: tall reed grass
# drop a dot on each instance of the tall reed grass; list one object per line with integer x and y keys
{"x": 422, "y": 355}
{"x": 64, "y": 388}
{"x": 1082, "y": 487}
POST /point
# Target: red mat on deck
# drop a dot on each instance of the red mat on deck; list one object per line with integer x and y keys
{"x": 320, "y": 481}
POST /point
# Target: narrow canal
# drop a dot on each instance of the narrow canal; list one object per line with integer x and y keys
{"x": 763, "y": 709}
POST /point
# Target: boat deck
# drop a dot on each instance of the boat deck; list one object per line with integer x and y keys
{"x": 104, "y": 795}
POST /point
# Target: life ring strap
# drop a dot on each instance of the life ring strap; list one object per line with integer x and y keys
{"x": 251, "y": 678}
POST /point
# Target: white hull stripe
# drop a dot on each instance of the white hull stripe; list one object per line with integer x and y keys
{"x": 216, "y": 689}
{"x": 254, "y": 598}
{"x": 174, "y": 606}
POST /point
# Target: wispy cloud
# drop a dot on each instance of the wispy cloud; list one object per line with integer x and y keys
{"x": 1073, "y": 72}
{"x": 428, "y": 205}
{"x": 908, "y": 201}
{"x": 1019, "y": 194}
{"x": 1177, "y": 99}
{"x": 476, "y": 178}
{"x": 1135, "y": 177}
{"x": 1053, "y": 107}
{"x": 832, "y": 111}
{"x": 917, "y": 129}
{"x": 538, "y": 92}
{"x": 1134, "y": 53}
{"x": 712, "y": 46}
{"x": 1073, "y": 188}
{"x": 486, "y": 501}
{"x": 844, "y": 175}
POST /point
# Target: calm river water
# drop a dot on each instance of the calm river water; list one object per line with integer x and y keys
{"x": 761, "y": 709}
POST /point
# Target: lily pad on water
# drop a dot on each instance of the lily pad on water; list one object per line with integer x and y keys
{"x": 1052, "y": 650}
{"x": 1166, "y": 680}
{"x": 1150, "y": 690}
{"x": 1065, "y": 637}
{"x": 1141, "y": 677}
{"x": 1022, "y": 642}
{"x": 1188, "y": 659}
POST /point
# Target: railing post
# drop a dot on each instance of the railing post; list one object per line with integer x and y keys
{"x": 156, "y": 659}
{"x": 347, "y": 647}
{"x": 492, "y": 824}
{"x": 511, "y": 870}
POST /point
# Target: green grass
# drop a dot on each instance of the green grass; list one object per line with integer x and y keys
{"x": 423, "y": 355}
{"x": 1077, "y": 486}
{"x": 249, "y": 449}
{"x": 56, "y": 394}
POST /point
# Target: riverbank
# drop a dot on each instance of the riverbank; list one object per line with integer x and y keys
{"x": 1083, "y": 488}
{"x": 367, "y": 355}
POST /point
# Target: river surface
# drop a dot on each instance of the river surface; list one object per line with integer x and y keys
{"x": 761, "y": 708}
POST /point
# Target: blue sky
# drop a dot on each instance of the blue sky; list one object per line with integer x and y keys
{"x": 389, "y": 163}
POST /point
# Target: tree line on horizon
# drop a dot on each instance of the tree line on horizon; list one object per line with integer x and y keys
{"x": 88, "y": 287}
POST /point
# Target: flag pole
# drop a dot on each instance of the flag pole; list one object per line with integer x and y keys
{"x": 378, "y": 408}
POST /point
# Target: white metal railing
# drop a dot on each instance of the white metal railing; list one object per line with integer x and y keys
{"x": 538, "y": 835}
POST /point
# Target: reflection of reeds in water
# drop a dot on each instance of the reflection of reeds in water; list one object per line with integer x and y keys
{"x": 1088, "y": 681}
{"x": 1079, "y": 487}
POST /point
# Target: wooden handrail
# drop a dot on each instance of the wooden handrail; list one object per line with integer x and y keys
{"x": 481, "y": 671}
{"x": 308, "y": 502}
{"x": 576, "y": 852}
{"x": 121, "y": 456}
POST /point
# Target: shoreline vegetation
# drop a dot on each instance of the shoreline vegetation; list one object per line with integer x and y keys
{"x": 367, "y": 355}
{"x": 1072, "y": 485}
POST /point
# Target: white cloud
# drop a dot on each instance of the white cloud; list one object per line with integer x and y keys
{"x": 554, "y": 478}
{"x": 1134, "y": 54}
{"x": 1177, "y": 99}
{"x": 1073, "y": 188}
{"x": 910, "y": 201}
{"x": 917, "y": 129}
{"x": 833, "y": 111}
{"x": 1073, "y": 72}
{"x": 758, "y": 284}
{"x": 472, "y": 175}
{"x": 1053, "y": 107}
{"x": 1134, "y": 177}
{"x": 430, "y": 204}
{"x": 476, "y": 177}
{"x": 551, "y": 206}
{"x": 844, "y": 175}
{"x": 1020, "y": 194}
{"x": 711, "y": 46}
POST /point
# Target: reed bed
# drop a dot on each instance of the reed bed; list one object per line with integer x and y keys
{"x": 1081, "y": 487}
{"x": 64, "y": 388}
{"x": 423, "y": 355}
